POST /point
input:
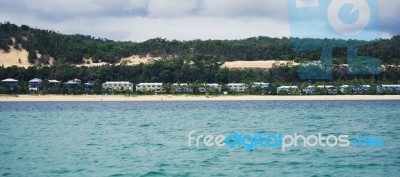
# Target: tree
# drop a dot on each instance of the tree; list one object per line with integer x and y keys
{"x": 32, "y": 56}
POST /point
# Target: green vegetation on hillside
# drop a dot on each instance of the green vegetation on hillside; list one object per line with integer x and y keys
{"x": 73, "y": 48}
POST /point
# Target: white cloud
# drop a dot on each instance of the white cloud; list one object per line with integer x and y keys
{"x": 240, "y": 8}
{"x": 390, "y": 17}
{"x": 139, "y": 20}
{"x": 64, "y": 7}
{"x": 168, "y": 9}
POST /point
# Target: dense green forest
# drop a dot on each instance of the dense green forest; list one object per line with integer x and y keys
{"x": 73, "y": 48}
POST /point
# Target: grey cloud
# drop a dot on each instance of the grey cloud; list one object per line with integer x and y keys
{"x": 139, "y": 20}
{"x": 245, "y": 8}
{"x": 171, "y": 9}
{"x": 390, "y": 17}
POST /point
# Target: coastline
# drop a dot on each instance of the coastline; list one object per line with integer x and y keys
{"x": 73, "y": 98}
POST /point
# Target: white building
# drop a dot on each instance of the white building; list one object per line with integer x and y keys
{"x": 10, "y": 83}
{"x": 210, "y": 87}
{"x": 10, "y": 80}
{"x": 260, "y": 85}
{"x": 345, "y": 89}
{"x": 90, "y": 85}
{"x": 35, "y": 84}
{"x": 330, "y": 89}
{"x": 310, "y": 90}
{"x": 118, "y": 85}
{"x": 150, "y": 87}
{"x": 54, "y": 83}
{"x": 291, "y": 90}
{"x": 73, "y": 82}
{"x": 182, "y": 88}
{"x": 395, "y": 89}
{"x": 237, "y": 87}
{"x": 362, "y": 89}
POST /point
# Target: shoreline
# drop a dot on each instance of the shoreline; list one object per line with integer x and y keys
{"x": 94, "y": 98}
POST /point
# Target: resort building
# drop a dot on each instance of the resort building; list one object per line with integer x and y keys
{"x": 237, "y": 87}
{"x": 210, "y": 88}
{"x": 73, "y": 82}
{"x": 390, "y": 89}
{"x": 321, "y": 89}
{"x": 344, "y": 89}
{"x": 332, "y": 90}
{"x": 362, "y": 89}
{"x": 10, "y": 83}
{"x": 117, "y": 85}
{"x": 35, "y": 84}
{"x": 310, "y": 90}
{"x": 182, "y": 88}
{"x": 89, "y": 85}
{"x": 54, "y": 83}
{"x": 150, "y": 87}
{"x": 260, "y": 85}
{"x": 290, "y": 90}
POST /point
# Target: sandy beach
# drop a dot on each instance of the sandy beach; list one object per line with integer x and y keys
{"x": 34, "y": 98}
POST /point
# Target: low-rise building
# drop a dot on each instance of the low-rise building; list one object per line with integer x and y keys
{"x": 237, "y": 87}
{"x": 328, "y": 89}
{"x": 118, "y": 85}
{"x": 73, "y": 82}
{"x": 89, "y": 85}
{"x": 54, "y": 83}
{"x": 290, "y": 90}
{"x": 391, "y": 89}
{"x": 182, "y": 88}
{"x": 310, "y": 90}
{"x": 35, "y": 84}
{"x": 150, "y": 87}
{"x": 210, "y": 88}
{"x": 362, "y": 89}
{"x": 10, "y": 83}
{"x": 260, "y": 85}
{"x": 344, "y": 89}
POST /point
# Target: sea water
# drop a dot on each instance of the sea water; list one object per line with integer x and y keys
{"x": 151, "y": 138}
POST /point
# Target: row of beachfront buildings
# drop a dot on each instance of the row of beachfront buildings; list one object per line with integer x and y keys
{"x": 36, "y": 84}
{"x": 344, "y": 89}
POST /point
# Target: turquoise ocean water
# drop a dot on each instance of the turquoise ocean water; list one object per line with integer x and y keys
{"x": 151, "y": 138}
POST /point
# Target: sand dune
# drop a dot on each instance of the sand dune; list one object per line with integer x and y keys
{"x": 135, "y": 60}
{"x": 132, "y": 60}
{"x": 256, "y": 64}
{"x": 12, "y": 58}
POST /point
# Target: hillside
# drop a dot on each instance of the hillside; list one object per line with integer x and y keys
{"x": 44, "y": 45}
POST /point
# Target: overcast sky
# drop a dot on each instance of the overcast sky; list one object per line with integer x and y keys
{"x": 139, "y": 20}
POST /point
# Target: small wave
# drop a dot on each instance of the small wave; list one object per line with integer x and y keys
{"x": 6, "y": 174}
{"x": 61, "y": 171}
{"x": 153, "y": 173}
{"x": 145, "y": 125}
